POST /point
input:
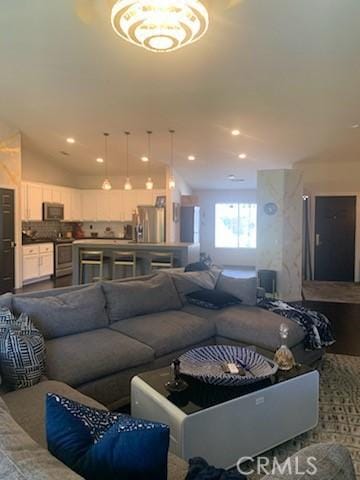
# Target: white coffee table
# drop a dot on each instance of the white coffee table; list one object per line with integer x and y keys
{"x": 224, "y": 424}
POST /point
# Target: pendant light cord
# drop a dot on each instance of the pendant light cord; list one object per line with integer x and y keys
{"x": 127, "y": 154}
{"x": 106, "y": 155}
{"x": 149, "y": 132}
{"x": 172, "y": 151}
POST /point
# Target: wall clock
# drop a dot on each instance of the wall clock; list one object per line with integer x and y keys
{"x": 270, "y": 208}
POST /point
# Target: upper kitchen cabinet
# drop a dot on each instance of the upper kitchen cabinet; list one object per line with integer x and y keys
{"x": 65, "y": 199}
{"x": 31, "y": 201}
{"x": 89, "y": 205}
{"x": 76, "y": 210}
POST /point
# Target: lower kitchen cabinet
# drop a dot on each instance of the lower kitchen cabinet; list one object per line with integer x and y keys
{"x": 38, "y": 261}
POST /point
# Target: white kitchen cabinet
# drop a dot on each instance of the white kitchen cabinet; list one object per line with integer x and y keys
{"x": 38, "y": 261}
{"x": 32, "y": 202}
{"x": 66, "y": 201}
{"x": 89, "y": 207}
{"x": 130, "y": 204}
{"x": 102, "y": 205}
{"x": 47, "y": 193}
{"x": 56, "y": 194}
{"x": 144, "y": 197}
{"x": 30, "y": 267}
{"x": 46, "y": 264}
{"x": 115, "y": 205}
{"x": 76, "y": 213}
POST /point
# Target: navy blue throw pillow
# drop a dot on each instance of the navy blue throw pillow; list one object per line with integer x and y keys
{"x": 212, "y": 299}
{"x": 101, "y": 445}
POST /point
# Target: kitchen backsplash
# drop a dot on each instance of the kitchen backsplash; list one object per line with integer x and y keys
{"x": 116, "y": 227}
{"x": 49, "y": 229}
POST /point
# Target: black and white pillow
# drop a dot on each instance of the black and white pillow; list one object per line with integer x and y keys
{"x": 22, "y": 351}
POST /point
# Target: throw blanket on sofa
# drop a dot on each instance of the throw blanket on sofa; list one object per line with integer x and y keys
{"x": 316, "y": 325}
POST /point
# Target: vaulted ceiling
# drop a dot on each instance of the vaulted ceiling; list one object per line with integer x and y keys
{"x": 286, "y": 73}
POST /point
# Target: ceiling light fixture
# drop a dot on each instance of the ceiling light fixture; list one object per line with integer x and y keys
{"x": 172, "y": 183}
{"x": 191, "y": 158}
{"x": 242, "y": 156}
{"x": 100, "y": 160}
{"x": 355, "y": 125}
{"x": 127, "y": 184}
{"x": 231, "y": 177}
{"x": 160, "y": 25}
{"x": 144, "y": 159}
{"x": 235, "y": 132}
{"x": 149, "y": 184}
{"x": 70, "y": 140}
{"x": 106, "y": 183}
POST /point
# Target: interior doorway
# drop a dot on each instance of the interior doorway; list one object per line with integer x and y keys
{"x": 335, "y": 228}
{"x": 7, "y": 240}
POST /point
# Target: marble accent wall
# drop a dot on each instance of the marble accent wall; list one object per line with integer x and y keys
{"x": 279, "y": 244}
{"x": 10, "y": 177}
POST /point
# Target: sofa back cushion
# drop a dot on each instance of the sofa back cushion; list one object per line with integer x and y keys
{"x": 6, "y": 300}
{"x": 190, "y": 282}
{"x": 245, "y": 289}
{"x": 66, "y": 314}
{"x": 139, "y": 297}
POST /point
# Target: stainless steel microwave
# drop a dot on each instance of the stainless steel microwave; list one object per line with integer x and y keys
{"x": 53, "y": 211}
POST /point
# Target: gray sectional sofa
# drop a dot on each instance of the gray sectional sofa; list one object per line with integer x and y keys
{"x": 99, "y": 336}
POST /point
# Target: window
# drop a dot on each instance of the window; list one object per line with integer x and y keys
{"x": 235, "y": 225}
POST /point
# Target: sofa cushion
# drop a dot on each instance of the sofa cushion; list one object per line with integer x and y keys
{"x": 80, "y": 358}
{"x": 102, "y": 445}
{"x": 245, "y": 289}
{"x": 139, "y": 297}
{"x": 189, "y": 282}
{"x": 255, "y": 326}
{"x": 66, "y": 314}
{"x": 167, "y": 332}
{"x": 23, "y": 459}
{"x": 27, "y": 406}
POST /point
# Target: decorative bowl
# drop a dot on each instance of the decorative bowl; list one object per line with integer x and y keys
{"x": 206, "y": 364}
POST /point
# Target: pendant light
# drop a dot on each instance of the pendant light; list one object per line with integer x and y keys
{"x": 172, "y": 183}
{"x": 149, "y": 183}
{"x": 106, "y": 183}
{"x": 127, "y": 185}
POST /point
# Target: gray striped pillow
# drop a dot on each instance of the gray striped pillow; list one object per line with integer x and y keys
{"x": 22, "y": 352}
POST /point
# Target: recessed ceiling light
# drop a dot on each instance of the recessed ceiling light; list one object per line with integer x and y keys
{"x": 231, "y": 177}
{"x": 242, "y": 156}
{"x": 191, "y": 158}
{"x": 355, "y": 125}
{"x": 100, "y": 160}
{"x": 70, "y": 140}
{"x": 235, "y": 132}
{"x": 144, "y": 159}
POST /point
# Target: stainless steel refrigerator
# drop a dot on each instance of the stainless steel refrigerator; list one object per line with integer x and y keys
{"x": 151, "y": 224}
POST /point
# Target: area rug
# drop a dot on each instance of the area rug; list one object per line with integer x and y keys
{"x": 339, "y": 410}
{"x": 340, "y": 292}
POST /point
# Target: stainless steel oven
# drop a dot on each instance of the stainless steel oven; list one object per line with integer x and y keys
{"x": 53, "y": 211}
{"x": 63, "y": 258}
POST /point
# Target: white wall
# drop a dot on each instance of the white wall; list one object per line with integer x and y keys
{"x": 223, "y": 256}
{"x": 332, "y": 178}
{"x": 38, "y": 168}
{"x": 10, "y": 177}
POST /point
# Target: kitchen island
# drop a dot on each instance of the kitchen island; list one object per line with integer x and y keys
{"x": 184, "y": 253}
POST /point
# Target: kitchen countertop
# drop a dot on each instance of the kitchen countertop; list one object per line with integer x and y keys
{"x": 139, "y": 245}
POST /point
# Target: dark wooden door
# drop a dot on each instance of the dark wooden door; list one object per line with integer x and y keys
{"x": 7, "y": 240}
{"x": 335, "y": 223}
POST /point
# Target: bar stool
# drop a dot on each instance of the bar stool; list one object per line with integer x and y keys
{"x": 123, "y": 259}
{"x": 161, "y": 260}
{"x": 91, "y": 257}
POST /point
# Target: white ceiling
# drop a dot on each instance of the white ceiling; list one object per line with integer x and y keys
{"x": 285, "y": 72}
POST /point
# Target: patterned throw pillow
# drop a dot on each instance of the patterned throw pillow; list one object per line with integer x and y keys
{"x": 101, "y": 445}
{"x": 22, "y": 351}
